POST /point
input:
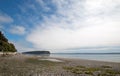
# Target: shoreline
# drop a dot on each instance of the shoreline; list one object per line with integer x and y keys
{"x": 88, "y": 62}
{"x": 91, "y": 56}
{"x": 26, "y": 65}
{"x": 84, "y": 59}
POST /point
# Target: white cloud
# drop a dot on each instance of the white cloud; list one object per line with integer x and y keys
{"x": 20, "y": 30}
{"x": 43, "y": 5}
{"x": 4, "y": 18}
{"x": 22, "y": 46}
{"x": 77, "y": 24}
{"x": 59, "y": 38}
{"x": 1, "y": 27}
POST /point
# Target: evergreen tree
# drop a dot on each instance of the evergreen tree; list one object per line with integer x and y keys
{"x": 5, "y": 46}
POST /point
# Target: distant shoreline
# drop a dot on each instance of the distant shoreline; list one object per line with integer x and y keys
{"x": 85, "y": 53}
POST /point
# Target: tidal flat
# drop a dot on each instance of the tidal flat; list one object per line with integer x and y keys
{"x": 23, "y": 65}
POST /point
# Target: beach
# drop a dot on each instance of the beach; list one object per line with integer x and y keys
{"x": 26, "y": 65}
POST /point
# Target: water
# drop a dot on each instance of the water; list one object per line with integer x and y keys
{"x": 96, "y": 56}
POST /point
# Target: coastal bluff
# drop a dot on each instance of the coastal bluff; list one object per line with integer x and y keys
{"x": 36, "y": 52}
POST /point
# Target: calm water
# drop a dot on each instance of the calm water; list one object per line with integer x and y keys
{"x": 99, "y": 57}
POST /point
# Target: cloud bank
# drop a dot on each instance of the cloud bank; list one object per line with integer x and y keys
{"x": 4, "y": 18}
{"x": 78, "y": 24}
{"x": 19, "y": 30}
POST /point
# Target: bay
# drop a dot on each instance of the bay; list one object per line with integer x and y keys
{"x": 109, "y": 57}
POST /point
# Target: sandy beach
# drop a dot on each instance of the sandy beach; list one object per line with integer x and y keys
{"x": 24, "y": 65}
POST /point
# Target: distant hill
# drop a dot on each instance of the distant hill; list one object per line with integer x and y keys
{"x": 5, "y": 46}
{"x": 36, "y": 52}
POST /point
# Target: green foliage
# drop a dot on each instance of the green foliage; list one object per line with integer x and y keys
{"x": 106, "y": 66}
{"x": 2, "y": 37}
{"x": 80, "y": 66}
{"x": 91, "y": 70}
{"x": 75, "y": 70}
{"x": 5, "y": 46}
{"x": 44, "y": 63}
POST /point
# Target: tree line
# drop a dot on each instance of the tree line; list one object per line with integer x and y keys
{"x": 6, "y": 46}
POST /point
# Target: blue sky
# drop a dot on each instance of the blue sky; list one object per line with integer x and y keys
{"x": 62, "y": 25}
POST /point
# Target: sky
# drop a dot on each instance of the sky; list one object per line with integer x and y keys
{"x": 63, "y": 26}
